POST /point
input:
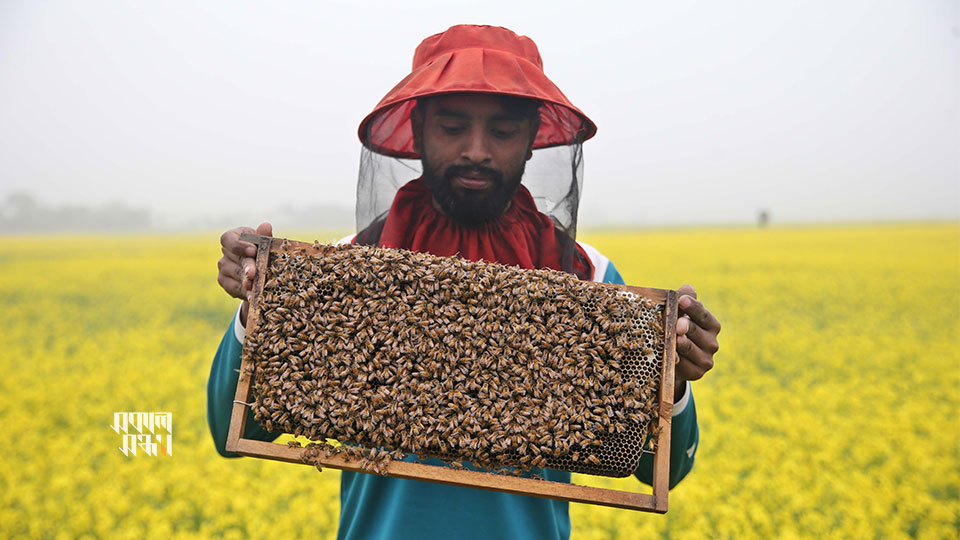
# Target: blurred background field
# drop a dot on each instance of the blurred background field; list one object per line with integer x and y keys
{"x": 833, "y": 410}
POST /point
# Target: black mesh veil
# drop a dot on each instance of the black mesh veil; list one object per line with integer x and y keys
{"x": 554, "y": 177}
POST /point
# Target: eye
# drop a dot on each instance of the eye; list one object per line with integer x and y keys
{"x": 504, "y": 133}
{"x": 452, "y": 130}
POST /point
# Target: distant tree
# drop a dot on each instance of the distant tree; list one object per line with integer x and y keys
{"x": 23, "y": 213}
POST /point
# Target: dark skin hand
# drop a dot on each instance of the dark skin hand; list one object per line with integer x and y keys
{"x": 697, "y": 331}
{"x": 237, "y": 267}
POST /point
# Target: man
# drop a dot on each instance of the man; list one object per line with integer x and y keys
{"x": 477, "y": 112}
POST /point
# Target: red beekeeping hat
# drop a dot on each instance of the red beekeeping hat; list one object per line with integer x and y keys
{"x": 472, "y": 58}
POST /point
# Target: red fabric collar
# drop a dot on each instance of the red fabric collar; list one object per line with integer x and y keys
{"x": 521, "y": 236}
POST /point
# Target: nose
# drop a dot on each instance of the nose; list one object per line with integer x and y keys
{"x": 475, "y": 149}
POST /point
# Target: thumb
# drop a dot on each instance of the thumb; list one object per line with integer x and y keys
{"x": 265, "y": 229}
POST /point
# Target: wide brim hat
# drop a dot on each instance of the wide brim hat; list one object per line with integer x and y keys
{"x": 474, "y": 58}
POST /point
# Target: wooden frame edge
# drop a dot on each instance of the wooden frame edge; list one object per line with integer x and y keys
{"x": 238, "y": 417}
{"x": 464, "y": 478}
{"x": 657, "y": 502}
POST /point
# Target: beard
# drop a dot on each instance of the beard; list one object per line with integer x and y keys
{"x": 471, "y": 208}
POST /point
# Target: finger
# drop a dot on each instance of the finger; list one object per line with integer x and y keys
{"x": 699, "y": 314}
{"x": 246, "y": 270}
{"x": 249, "y": 269}
{"x": 706, "y": 341}
{"x": 688, "y": 351}
{"x": 230, "y": 241}
{"x": 693, "y": 360}
{"x": 246, "y": 286}
{"x": 230, "y": 255}
{"x": 229, "y": 268}
{"x": 687, "y": 290}
{"x": 688, "y": 371}
{"x": 265, "y": 229}
{"x": 240, "y": 261}
{"x": 230, "y": 285}
{"x": 683, "y": 325}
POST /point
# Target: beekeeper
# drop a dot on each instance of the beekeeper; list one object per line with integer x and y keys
{"x": 475, "y": 153}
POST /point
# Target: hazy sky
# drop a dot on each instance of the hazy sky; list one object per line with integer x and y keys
{"x": 707, "y": 111}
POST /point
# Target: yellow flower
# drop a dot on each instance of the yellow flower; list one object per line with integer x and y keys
{"x": 831, "y": 411}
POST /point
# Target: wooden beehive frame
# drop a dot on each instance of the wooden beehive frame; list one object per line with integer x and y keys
{"x": 657, "y": 502}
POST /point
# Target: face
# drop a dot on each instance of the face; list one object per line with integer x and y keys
{"x": 474, "y": 148}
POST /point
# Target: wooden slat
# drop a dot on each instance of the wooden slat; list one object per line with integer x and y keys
{"x": 661, "y": 459}
{"x": 238, "y": 417}
{"x": 456, "y": 477}
{"x": 465, "y": 478}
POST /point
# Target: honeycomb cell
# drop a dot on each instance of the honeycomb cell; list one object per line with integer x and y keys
{"x": 398, "y": 352}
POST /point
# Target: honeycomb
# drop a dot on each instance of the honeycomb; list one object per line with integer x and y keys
{"x": 394, "y": 352}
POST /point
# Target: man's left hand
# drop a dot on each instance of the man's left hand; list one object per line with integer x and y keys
{"x": 697, "y": 331}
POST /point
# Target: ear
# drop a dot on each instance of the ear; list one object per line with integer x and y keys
{"x": 416, "y": 126}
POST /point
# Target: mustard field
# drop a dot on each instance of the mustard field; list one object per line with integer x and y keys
{"x": 833, "y": 410}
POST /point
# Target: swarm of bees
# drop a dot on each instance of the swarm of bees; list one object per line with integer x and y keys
{"x": 508, "y": 370}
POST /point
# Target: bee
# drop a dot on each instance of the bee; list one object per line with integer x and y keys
{"x": 412, "y": 361}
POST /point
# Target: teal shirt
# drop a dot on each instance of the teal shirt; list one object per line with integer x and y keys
{"x": 378, "y": 507}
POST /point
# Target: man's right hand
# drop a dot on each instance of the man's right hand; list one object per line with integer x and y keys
{"x": 237, "y": 267}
